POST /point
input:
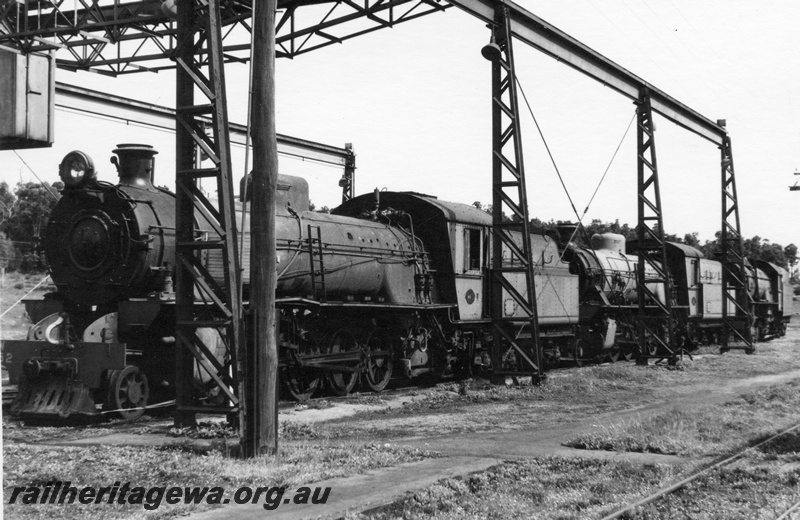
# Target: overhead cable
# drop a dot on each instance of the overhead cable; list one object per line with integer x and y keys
{"x": 46, "y": 187}
{"x": 546, "y": 146}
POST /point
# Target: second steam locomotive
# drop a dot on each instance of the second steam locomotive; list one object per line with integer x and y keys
{"x": 390, "y": 284}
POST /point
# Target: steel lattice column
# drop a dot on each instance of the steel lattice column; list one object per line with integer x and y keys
{"x": 513, "y": 285}
{"x": 202, "y": 301}
{"x": 348, "y": 180}
{"x": 652, "y": 270}
{"x": 734, "y": 277}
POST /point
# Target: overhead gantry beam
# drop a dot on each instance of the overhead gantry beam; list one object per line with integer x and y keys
{"x": 550, "y": 40}
{"x": 71, "y": 97}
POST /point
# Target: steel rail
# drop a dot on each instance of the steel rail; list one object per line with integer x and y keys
{"x": 674, "y": 487}
{"x": 786, "y": 513}
{"x": 554, "y": 42}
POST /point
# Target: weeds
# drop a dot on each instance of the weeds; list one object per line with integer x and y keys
{"x": 561, "y": 489}
{"x": 544, "y": 488}
{"x": 710, "y": 430}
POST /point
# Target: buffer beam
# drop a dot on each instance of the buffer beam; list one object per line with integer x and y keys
{"x": 533, "y": 31}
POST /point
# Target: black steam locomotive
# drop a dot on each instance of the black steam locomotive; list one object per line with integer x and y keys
{"x": 388, "y": 284}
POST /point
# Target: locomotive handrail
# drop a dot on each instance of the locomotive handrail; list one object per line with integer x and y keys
{"x": 416, "y": 306}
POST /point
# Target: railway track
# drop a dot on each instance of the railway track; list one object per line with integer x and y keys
{"x": 679, "y": 485}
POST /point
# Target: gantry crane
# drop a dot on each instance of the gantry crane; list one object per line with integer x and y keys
{"x": 198, "y": 37}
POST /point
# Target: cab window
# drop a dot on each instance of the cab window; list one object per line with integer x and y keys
{"x": 472, "y": 249}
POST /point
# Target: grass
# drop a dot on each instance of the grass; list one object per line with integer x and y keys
{"x": 540, "y": 488}
{"x": 567, "y": 396}
{"x": 295, "y": 465}
{"x": 760, "y": 488}
{"x": 700, "y": 431}
{"x": 15, "y": 323}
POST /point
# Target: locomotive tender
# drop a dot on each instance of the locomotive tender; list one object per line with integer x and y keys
{"x": 389, "y": 283}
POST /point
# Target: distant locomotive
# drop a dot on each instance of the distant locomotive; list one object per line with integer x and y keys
{"x": 390, "y": 279}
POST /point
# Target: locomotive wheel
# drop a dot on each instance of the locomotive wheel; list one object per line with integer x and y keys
{"x": 342, "y": 383}
{"x": 754, "y": 333}
{"x": 127, "y": 393}
{"x": 578, "y": 353}
{"x": 379, "y": 359}
{"x": 613, "y": 354}
{"x": 650, "y": 346}
{"x": 627, "y": 353}
{"x": 301, "y": 383}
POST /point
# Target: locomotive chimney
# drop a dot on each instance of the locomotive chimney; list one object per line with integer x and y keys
{"x": 135, "y": 165}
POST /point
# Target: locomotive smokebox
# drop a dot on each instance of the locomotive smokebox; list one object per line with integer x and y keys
{"x": 105, "y": 243}
{"x": 135, "y": 165}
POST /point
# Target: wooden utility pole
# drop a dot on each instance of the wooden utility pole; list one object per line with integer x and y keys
{"x": 259, "y": 429}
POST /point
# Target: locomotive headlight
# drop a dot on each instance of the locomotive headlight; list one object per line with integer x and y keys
{"x": 76, "y": 169}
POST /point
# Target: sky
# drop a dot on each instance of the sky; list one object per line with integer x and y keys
{"x": 415, "y": 102}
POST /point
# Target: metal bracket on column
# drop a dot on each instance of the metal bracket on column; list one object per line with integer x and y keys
{"x": 734, "y": 274}
{"x": 204, "y": 303}
{"x": 516, "y": 349}
{"x": 656, "y": 323}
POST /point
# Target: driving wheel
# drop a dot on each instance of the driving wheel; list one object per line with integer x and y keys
{"x": 342, "y": 383}
{"x": 379, "y": 359}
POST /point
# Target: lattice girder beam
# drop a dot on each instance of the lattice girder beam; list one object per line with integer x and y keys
{"x": 127, "y": 37}
{"x": 509, "y": 192}
{"x": 652, "y": 267}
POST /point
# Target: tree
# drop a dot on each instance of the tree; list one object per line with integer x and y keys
{"x": 691, "y": 239}
{"x": 711, "y": 248}
{"x": 8, "y": 253}
{"x": 545, "y": 226}
{"x": 7, "y": 200}
{"x": 313, "y": 207}
{"x": 790, "y": 252}
{"x": 31, "y": 210}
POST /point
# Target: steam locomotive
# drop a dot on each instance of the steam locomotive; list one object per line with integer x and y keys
{"x": 388, "y": 284}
